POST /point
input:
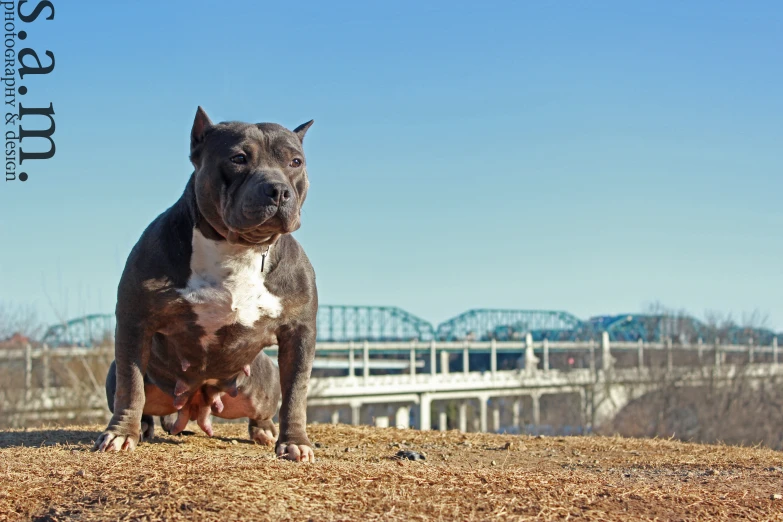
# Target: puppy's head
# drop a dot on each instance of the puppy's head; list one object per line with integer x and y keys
{"x": 251, "y": 179}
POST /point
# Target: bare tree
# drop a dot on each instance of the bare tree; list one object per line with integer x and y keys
{"x": 21, "y": 320}
{"x": 730, "y": 402}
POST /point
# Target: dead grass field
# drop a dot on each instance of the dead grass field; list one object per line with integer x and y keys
{"x": 50, "y": 474}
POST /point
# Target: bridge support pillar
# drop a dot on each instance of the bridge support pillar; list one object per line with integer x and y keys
{"x": 28, "y": 370}
{"x": 463, "y": 416}
{"x": 483, "y": 413}
{"x": 493, "y": 358}
{"x": 336, "y": 416}
{"x": 465, "y": 359}
{"x": 531, "y": 361}
{"x": 718, "y": 354}
{"x": 640, "y": 353}
{"x": 402, "y": 419}
{"x": 607, "y": 361}
{"x": 366, "y": 362}
{"x": 356, "y": 413}
{"x": 444, "y": 362}
{"x": 495, "y": 417}
{"x": 516, "y": 413}
{"x": 775, "y": 350}
{"x": 536, "y": 411}
{"x": 443, "y": 420}
{"x": 425, "y": 404}
{"x": 413, "y": 361}
{"x": 46, "y": 372}
{"x": 351, "y": 361}
{"x": 546, "y": 355}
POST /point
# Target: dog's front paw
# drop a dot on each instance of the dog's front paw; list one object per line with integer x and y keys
{"x": 297, "y": 452}
{"x": 112, "y": 441}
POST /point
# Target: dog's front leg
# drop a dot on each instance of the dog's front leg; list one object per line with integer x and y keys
{"x": 296, "y": 349}
{"x": 131, "y": 353}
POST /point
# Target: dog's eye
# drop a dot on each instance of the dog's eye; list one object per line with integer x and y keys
{"x": 239, "y": 159}
{"x": 296, "y": 162}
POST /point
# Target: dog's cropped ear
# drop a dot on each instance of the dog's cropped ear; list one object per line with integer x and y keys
{"x": 301, "y": 130}
{"x": 200, "y": 126}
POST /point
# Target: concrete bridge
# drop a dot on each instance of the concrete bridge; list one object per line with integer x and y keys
{"x": 605, "y": 376}
{"x": 411, "y": 383}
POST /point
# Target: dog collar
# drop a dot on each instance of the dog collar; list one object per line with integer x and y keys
{"x": 263, "y": 257}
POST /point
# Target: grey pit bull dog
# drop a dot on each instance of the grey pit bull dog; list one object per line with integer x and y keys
{"x": 212, "y": 281}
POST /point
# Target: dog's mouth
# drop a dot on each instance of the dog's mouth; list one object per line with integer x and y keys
{"x": 250, "y": 237}
{"x": 257, "y": 233}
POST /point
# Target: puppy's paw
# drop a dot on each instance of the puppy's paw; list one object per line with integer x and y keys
{"x": 263, "y": 432}
{"x": 147, "y": 429}
{"x": 167, "y": 422}
{"x": 297, "y": 452}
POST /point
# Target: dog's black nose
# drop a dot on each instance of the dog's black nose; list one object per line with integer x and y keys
{"x": 277, "y": 192}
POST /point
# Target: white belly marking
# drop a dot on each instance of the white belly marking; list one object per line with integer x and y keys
{"x": 226, "y": 286}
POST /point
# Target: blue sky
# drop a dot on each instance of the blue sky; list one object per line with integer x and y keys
{"x": 586, "y": 156}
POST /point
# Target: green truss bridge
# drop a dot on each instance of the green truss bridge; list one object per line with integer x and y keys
{"x": 338, "y": 323}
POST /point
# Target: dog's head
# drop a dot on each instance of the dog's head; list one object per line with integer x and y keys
{"x": 251, "y": 179}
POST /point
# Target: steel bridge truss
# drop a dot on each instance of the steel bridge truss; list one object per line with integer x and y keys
{"x": 370, "y": 323}
{"x": 90, "y": 330}
{"x": 484, "y": 324}
{"x": 379, "y": 324}
{"x": 680, "y": 329}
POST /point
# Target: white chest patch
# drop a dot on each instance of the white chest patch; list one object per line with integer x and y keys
{"x": 226, "y": 286}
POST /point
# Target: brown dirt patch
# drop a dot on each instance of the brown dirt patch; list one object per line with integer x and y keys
{"x": 50, "y": 474}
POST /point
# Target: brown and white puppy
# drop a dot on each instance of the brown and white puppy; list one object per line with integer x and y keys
{"x": 212, "y": 281}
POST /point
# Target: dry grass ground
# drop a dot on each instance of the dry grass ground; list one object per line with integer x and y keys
{"x": 50, "y": 474}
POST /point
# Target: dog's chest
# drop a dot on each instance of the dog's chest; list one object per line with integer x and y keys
{"x": 226, "y": 287}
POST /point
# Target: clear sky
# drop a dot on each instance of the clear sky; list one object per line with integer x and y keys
{"x": 584, "y": 156}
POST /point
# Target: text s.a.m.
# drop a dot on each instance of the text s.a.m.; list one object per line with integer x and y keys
{"x": 20, "y": 67}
